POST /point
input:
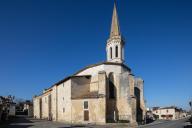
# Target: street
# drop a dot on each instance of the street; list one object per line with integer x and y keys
{"x": 24, "y": 122}
{"x": 166, "y": 124}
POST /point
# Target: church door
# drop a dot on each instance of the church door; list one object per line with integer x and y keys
{"x": 86, "y": 115}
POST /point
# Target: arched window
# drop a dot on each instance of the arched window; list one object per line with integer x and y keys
{"x": 116, "y": 51}
{"x": 111, "y": 52}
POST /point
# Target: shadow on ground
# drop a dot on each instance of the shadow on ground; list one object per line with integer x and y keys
{"x": 16, "y": 122}
{"x": 74, "y": 126}
{"x": 188, "y": 126}
{"x": 189, "y": 123}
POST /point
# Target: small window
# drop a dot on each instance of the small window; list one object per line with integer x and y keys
{"x": 167, "y": 110}
{"x": 116, "y": 51}
{"x": 111, "y": 52}
{"x": 85, "y": 104}
{"x": 63, "y": 110}
{"x": 63, "y": 98}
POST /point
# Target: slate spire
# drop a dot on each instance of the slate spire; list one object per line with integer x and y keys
{"x": 115, "y": 28}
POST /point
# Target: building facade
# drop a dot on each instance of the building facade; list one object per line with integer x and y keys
{"x": 99, "y": 93}
{"x": 12, "y": 110}
{"x": 168, "y": 113}
{"x": 28, "y": 108}
{"x": 7, "y": 107}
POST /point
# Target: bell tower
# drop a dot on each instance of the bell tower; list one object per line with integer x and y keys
{"x": 115, "y": 43}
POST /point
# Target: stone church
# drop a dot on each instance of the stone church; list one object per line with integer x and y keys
{"x": 99, "y": 93}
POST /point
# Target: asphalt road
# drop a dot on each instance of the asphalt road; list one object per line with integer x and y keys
{"x": 167, "y": 124}
{"x": 24, "y": 122}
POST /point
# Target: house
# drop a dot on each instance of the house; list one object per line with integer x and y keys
{"x": 28, "y": 108}
{"x": 168, "y": 113}
{"x": 7, "y": 107}
{"x": 12, "y": 109}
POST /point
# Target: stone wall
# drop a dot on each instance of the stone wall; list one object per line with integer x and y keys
{"x": 96, "y": 106}
{"x": 36, "y": 107}
{"x": 80, "y": 86}
{"x": 124, "y": 94}
{"x": 132, "y": 98}
{"x": 45, "y": 106}
{"x": 54, "y": 103}
{"x": 117, "y": 69}
{"x": 139, "y": 84}
{"x": 64, "y": 102}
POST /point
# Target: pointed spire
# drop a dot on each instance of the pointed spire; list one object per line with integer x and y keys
{"x": 115, "y": 28}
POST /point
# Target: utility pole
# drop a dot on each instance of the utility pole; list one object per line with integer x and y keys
{"x": 145, "y": 112}
{"x": 190, "y": 104}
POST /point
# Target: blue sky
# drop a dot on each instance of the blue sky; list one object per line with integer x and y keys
{"x": 42, "y": 42}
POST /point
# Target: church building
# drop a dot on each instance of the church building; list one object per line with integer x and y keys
{"x": 100, "y": 93}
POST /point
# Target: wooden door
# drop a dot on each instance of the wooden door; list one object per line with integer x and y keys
{"x": 86, "y": 115}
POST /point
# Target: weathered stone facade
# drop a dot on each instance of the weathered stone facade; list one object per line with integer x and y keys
{"x": 100, "y": 93}
{"x": 65, "y": 100}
